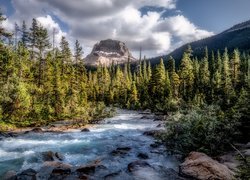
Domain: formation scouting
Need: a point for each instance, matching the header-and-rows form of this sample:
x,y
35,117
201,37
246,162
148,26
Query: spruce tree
x,y
235,63
186,75
226,78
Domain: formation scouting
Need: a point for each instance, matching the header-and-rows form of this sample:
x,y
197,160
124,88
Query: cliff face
x,y
107,51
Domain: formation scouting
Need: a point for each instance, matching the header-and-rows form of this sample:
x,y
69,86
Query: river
x,y
125,129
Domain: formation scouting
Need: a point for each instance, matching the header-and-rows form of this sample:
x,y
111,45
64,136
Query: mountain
x,y
236,37
107,51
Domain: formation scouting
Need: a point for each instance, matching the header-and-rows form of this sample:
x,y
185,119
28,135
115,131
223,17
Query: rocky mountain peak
x,y
107,51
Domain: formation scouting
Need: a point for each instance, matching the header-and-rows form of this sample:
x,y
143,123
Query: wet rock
x,y
200,166
37,130
7,135
142,156
121,151
29,174
147,117
85,130
60,173
10,175
52,170
159,125
119,175
133,166
56,164
155,145
160,118
87,170
153,133
51,156
112,176
147,111
59,156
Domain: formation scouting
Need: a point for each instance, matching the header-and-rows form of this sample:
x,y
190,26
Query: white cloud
x,y
93,20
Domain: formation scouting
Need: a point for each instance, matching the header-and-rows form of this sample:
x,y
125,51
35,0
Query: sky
x,y
157,26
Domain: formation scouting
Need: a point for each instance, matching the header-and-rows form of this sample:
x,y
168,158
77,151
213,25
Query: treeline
x,y
42,83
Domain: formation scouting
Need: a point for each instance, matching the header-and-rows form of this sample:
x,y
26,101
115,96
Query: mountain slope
x,y
236,37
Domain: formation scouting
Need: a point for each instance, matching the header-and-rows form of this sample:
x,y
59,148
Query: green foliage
x,y
244,169
207,130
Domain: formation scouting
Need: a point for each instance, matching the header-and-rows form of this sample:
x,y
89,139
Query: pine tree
x,y
168,92
204,75
42,43
157,83
134,96
186,75
171,65
25,35
235,67
226,77
33,37
78,52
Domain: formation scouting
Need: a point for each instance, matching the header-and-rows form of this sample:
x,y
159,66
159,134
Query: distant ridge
x,y
237,36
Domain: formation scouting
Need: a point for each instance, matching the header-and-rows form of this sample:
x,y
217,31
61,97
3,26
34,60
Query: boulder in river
x,y
54,170
60,173
200,166
87,170
148,117
29,174
133,166
142,156
85,130
37,130
121,151
51,156
153,133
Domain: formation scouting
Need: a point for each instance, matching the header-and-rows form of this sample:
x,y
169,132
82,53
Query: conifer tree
x,y
171,65
133,96
235,62
33,37
78,52
186,75
204,75
25,35
226,76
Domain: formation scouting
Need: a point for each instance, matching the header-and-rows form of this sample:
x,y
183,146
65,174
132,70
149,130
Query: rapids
x,y
125,129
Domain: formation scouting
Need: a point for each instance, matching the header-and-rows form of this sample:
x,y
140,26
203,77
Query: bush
x,y
206,130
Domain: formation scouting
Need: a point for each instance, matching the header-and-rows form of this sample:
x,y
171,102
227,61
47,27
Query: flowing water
x,y
124,130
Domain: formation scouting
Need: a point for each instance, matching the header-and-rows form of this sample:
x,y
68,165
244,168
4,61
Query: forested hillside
x,y
237,36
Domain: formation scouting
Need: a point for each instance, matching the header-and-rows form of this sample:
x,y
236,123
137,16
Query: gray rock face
x,y
107,51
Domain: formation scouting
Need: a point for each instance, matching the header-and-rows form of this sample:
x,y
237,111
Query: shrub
x,y
207,130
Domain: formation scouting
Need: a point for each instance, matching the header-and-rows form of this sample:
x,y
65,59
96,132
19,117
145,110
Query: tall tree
x,y
186,75
25,35
78,52
235,63
33,36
